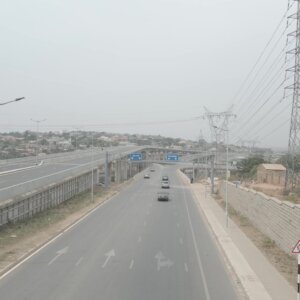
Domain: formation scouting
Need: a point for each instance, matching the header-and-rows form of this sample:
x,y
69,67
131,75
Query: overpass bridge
x,y
28,185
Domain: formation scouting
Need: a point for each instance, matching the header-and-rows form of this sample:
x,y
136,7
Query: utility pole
x,y
294,133
106,179
37,137
92,185
212,174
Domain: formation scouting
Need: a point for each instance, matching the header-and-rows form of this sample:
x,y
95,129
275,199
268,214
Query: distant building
x,y
271,174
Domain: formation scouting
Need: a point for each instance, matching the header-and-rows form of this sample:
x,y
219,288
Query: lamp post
x,y
37,135
15,100
92,185
226,182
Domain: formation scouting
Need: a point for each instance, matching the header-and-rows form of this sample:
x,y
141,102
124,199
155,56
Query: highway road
x,y
53,170
131,248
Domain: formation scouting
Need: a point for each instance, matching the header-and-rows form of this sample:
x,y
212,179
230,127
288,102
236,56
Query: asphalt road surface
x,y
133,247
53,170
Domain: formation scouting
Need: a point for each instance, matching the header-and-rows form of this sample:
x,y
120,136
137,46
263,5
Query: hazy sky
x,y
122,65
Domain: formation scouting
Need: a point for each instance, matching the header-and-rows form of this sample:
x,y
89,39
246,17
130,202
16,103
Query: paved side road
x,y
133,247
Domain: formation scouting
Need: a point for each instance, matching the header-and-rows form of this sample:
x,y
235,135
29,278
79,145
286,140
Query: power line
x,y
261,82
274,130
114,124
263,51
267,123
260,107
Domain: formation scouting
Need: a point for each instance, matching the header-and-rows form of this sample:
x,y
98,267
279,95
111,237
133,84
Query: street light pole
x,y
226,177
226,187
37,134
92,186
15,100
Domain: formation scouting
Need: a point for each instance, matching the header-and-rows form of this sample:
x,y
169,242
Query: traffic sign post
x,y
298,282
136,157
172,157
297,251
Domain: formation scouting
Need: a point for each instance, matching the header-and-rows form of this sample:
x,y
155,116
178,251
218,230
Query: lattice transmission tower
x,y
294,133
218,124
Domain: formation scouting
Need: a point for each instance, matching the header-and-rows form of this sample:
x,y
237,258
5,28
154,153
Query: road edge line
x,y
252,286
23,258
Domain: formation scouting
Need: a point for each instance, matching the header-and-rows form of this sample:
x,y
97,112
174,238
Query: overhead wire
x,y
275,129
267,122
263,51
111,124
246,122
262,91
261,83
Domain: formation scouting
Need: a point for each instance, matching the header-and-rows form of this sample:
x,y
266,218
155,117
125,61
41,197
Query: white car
x,y
165,185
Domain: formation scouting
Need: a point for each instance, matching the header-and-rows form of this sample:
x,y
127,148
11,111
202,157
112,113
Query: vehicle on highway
x,y
147,176
165,178
152,170
165,185
163,196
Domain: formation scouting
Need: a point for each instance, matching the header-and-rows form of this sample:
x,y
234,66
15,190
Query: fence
x,y
279,220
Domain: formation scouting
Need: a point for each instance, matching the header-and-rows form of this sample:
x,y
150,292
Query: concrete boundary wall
x,y
279,220
27,205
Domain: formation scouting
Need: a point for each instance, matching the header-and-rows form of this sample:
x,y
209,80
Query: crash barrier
x,y
279,220
27,205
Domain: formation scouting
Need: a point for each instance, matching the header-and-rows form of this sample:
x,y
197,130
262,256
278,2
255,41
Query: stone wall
x,y
279,220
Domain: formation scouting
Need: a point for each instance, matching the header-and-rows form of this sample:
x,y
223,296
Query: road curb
x,y
249,280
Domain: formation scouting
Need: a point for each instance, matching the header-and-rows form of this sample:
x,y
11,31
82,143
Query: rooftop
x,y
275,167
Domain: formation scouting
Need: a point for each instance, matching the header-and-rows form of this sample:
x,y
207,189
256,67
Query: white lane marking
x,y
181,241
131,264
140,239
162,261
42,177
178,225
58,254
49,175
145,223
109,255
79,261
186,267
10,270
197,250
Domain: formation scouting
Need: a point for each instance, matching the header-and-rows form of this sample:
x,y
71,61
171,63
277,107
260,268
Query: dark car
x,y
165,178
147,176
163,196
